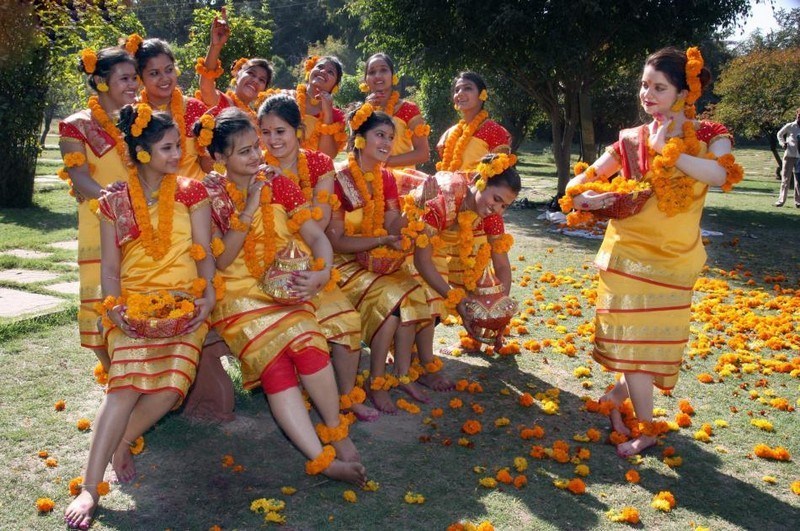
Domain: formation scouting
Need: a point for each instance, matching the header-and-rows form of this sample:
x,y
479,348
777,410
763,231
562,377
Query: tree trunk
x,y
772,138
49,113
588,144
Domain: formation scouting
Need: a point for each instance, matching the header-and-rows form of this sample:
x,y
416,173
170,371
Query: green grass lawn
x,y
182,483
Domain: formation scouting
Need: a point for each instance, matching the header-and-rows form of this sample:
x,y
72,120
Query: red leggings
x,y
281,374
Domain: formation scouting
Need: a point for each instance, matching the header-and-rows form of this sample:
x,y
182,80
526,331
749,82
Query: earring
x,y
483,96
678,105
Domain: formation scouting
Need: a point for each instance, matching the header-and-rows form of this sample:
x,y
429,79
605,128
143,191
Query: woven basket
x,y
625,206
382,266
162,327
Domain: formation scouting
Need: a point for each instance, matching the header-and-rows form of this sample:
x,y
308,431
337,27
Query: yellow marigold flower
x,y
719,423
45,505
83,424
413,497
762,424
502,421
488,482
274,517
350,496
582,470
463,441
769,479
371,486
288,491
520,464
673,462
795,487
51,462
702,436
663,501
582,372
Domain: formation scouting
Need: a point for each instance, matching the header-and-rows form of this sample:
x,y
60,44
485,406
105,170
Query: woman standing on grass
x,y
155,64
95,156
155,234
649,261
463,146
258,215
280,120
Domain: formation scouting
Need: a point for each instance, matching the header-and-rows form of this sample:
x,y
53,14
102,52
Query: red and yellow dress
x,y
406,118
491,137
648,265
338,319
107,166
376,297
442,217
164,364
191,109
271,340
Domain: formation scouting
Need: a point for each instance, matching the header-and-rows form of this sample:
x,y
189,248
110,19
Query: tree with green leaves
x,y
760,92
554,51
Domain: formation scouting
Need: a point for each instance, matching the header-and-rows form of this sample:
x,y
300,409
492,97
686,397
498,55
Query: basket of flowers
x,y
627,203
382,260
159,313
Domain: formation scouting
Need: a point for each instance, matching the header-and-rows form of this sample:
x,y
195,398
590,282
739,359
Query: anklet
x,y
434,366
101,489
355,396
384,383
328,435
322,461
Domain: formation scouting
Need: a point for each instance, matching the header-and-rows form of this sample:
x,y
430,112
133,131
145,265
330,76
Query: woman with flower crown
x,y
410,145
463,146
464,225
257,216
155,64
323,122
280,122
649,261
155,234
366,229
95,156
249,77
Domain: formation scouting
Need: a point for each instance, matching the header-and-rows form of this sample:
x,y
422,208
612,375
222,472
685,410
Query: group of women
x,y
171,223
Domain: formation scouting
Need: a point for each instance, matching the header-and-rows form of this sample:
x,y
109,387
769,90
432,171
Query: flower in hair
x,y
143,115
361,116
207,132
694,66
238,66
89,60
363,87
102,86
309,64
143,156
493,165
359,142
484,95
395,79
133,42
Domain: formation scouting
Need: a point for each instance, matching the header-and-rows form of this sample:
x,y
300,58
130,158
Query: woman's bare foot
x,y
635,446
617,424
351,472
347,451
382,401
415,391
80,512
364,413
122,463
436,381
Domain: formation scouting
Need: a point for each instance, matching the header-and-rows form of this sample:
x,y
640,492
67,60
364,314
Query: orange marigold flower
x,y
51,462
705,378
45,505
477,409
227,460
197,252
520,481
437,412
617,438
593,434
75,485
584,454
60,405
471,427
83,424
683,420
103,488
669,451
137,446
456,403
43,454
632,476
795,486
537,452
526,400
686,407
503,476
576,486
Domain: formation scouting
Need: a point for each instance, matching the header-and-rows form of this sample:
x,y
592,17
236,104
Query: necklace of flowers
x,y
390,104
372,224
155,242
457,141
255,265
312,142
242,105
473,265
673,189
303,176
176,109
100,116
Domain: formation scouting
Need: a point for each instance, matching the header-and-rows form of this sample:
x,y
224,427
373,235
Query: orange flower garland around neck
x,y
177,111
256,265
100,116
156,242
390,104
374,207
457,140
473,264
302,178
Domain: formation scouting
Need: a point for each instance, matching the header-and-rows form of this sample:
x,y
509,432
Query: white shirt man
x,y
789,137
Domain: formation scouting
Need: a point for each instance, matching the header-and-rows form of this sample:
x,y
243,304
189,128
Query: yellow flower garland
x,y
256,265
473,265
457,141
156,243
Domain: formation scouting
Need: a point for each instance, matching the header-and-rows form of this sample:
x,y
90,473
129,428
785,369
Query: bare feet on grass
x,y
80,512
382,401
364,413
351,472
415,391
635,446
436,382
347,451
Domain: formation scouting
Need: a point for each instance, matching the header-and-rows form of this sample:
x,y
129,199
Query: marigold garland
x,y
177,111
502,244
454,296
303,176
217,247
372,224
256,264
203,71
328,435
197,252
322,461
73,159
355,396
496,165
89,60
100,116
155,242
133,42
457,141
206,133
474,266
390,104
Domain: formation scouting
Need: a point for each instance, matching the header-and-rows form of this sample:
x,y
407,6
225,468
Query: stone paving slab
x,y
70,245
26,253
15,303
27,276
67,288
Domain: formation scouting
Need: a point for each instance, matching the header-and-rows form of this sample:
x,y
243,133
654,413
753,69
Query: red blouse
x,y
345,189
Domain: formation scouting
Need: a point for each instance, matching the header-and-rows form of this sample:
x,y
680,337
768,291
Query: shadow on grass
x,y
182,470
38,218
